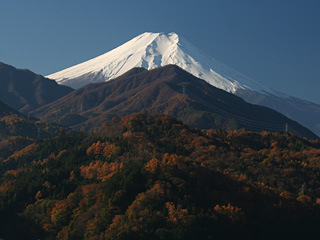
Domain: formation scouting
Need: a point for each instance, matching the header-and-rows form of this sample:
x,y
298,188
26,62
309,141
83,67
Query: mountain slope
x,y
6,110
152,50
304,112
24,90
14,124
169,90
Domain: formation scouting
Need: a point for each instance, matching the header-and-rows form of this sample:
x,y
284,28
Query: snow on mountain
x,y
152,50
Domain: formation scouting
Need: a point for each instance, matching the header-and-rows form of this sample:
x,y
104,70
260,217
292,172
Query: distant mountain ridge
x,y
169,90
24,90
305,112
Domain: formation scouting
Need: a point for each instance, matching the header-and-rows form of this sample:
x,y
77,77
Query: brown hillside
x,y
169,90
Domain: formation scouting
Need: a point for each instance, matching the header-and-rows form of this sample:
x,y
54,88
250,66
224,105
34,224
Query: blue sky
x,y
274,42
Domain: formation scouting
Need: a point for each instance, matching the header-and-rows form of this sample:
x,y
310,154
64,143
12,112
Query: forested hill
x,y
13,123
169,90
18,131
151,177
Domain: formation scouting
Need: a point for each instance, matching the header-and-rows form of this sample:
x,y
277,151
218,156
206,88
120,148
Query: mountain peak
x,y
152,50
155,34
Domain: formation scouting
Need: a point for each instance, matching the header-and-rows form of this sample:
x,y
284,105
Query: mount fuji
x,y
153,50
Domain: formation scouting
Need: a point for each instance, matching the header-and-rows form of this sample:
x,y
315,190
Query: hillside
x,y
305,112
6,110
17,131
13,123
151,177
24,90
169,90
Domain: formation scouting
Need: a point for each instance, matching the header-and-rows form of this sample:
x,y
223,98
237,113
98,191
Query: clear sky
x,y
276,42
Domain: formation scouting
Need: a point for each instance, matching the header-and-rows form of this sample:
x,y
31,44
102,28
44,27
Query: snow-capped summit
x,y
152,50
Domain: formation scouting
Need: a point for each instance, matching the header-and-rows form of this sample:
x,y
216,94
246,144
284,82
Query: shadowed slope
x,y
169,90
24,90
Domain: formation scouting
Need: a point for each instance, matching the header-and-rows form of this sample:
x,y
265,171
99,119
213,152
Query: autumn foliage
x,y
150,177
